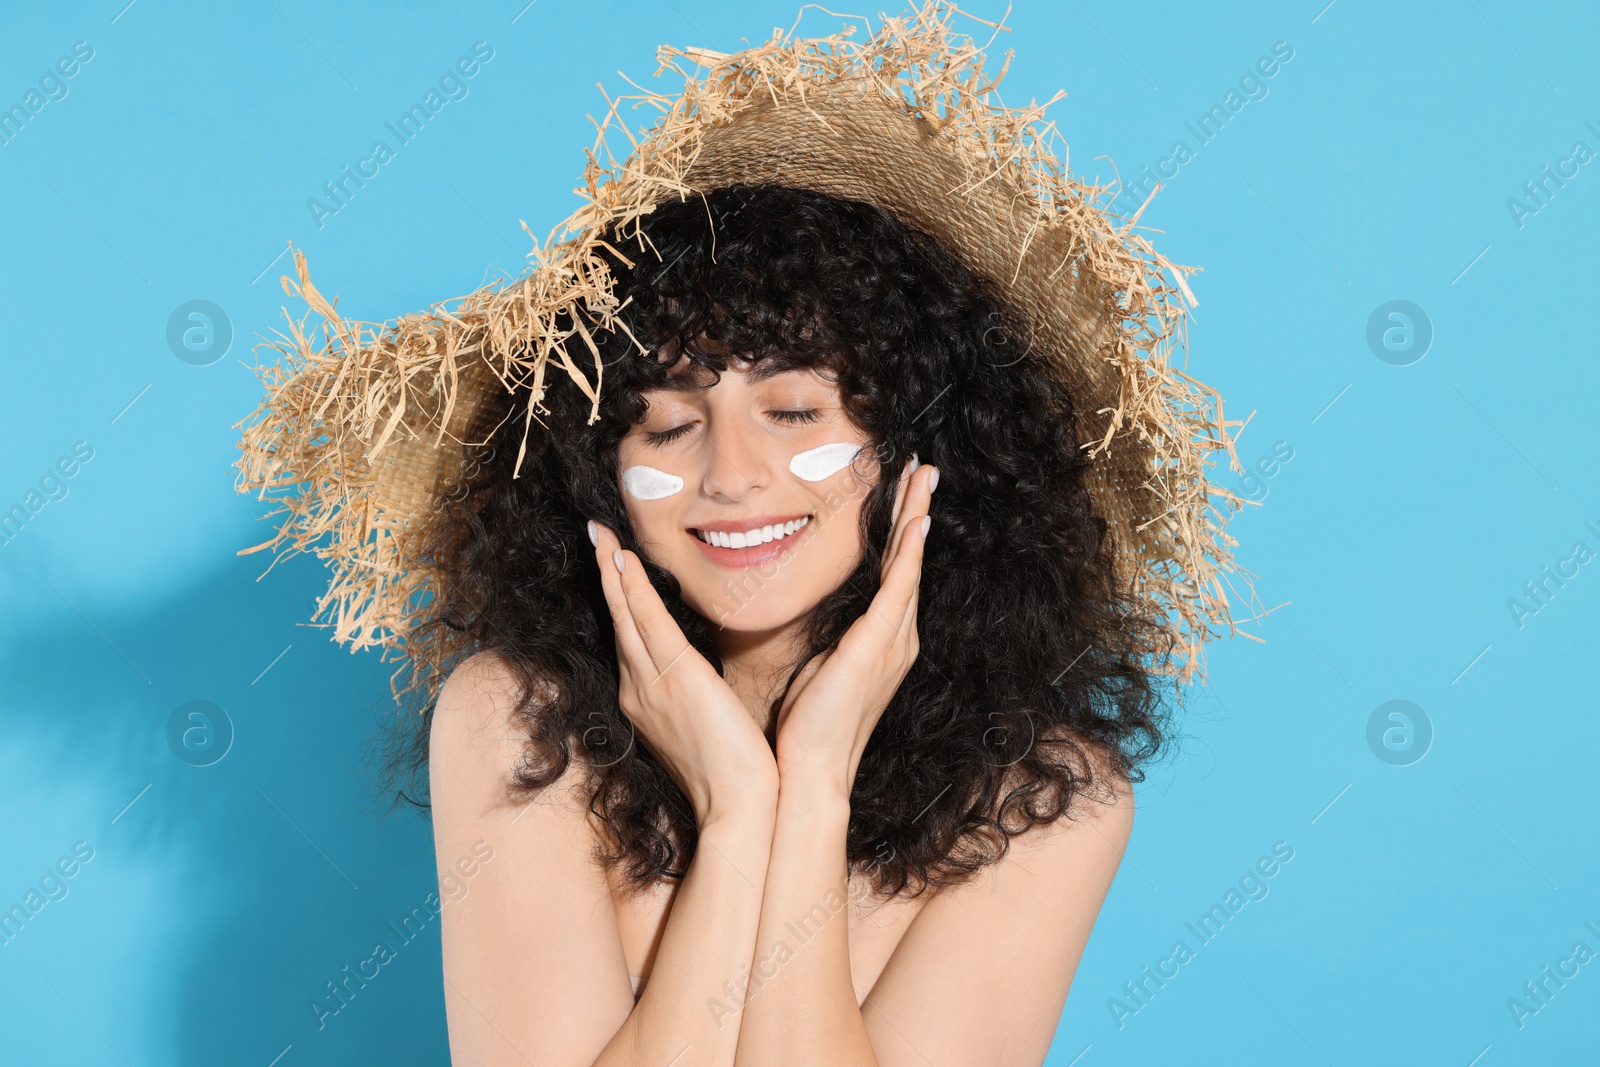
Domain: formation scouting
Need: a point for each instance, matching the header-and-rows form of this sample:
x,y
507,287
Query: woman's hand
x,y
835,703
681,707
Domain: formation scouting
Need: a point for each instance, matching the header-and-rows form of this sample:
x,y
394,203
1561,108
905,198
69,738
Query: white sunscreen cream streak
x,y
815,464
647,483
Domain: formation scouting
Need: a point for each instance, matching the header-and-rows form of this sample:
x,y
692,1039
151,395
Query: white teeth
x,y
751,538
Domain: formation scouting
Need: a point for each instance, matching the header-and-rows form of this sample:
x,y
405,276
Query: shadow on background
x,y
284,870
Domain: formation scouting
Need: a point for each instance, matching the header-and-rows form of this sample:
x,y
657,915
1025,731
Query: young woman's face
x,y
749,491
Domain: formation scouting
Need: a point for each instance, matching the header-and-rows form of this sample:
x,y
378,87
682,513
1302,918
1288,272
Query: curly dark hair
x,y
1036,679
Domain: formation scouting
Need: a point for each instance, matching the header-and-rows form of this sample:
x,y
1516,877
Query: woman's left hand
x,y
835,703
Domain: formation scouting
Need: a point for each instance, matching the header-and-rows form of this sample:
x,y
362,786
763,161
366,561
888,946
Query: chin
x,y
750,608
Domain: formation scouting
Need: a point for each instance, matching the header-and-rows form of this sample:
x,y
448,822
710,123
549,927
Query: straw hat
x,y
364,425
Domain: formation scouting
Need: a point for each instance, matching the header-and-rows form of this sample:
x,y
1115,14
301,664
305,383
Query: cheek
x,y
842,505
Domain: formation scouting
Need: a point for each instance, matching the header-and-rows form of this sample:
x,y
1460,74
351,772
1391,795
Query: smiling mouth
x,y
754,537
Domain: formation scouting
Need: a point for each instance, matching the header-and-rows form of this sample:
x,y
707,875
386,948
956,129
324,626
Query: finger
x,y
894,516
891,609
909,621
663,641
630,645
908,625
913,506
898,593
886,612
900,489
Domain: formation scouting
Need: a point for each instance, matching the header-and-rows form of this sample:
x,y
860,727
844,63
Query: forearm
x,y
685,1015
802,1008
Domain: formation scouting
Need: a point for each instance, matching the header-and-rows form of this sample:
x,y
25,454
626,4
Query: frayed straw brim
x,y
362,427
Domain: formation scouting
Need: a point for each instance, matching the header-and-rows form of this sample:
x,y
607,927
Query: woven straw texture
x,y
363,425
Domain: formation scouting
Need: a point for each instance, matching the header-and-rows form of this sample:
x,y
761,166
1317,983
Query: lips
x,y
750,533
760,539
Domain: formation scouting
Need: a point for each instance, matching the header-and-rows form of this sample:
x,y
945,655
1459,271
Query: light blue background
x,y
1378,167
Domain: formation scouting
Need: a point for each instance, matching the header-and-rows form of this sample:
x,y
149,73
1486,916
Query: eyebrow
x,y
761,371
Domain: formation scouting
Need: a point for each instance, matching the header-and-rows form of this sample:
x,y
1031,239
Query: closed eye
x,y
664,436
794,417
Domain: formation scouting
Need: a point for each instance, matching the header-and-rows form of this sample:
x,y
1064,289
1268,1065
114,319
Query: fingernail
x,y
927,521
933,480
617,555
915,462
594,534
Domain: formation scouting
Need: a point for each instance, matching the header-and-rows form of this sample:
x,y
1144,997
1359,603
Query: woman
x,y
850,795
872,781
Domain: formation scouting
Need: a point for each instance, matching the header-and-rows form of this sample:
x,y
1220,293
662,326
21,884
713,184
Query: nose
x,y
737,463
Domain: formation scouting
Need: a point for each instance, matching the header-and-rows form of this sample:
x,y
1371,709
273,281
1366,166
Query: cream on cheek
x,y
647,483
824,461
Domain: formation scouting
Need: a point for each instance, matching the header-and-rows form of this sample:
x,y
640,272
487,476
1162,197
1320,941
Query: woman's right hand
x,y
693,723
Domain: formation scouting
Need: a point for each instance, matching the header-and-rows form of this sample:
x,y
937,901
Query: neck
x,y
756,665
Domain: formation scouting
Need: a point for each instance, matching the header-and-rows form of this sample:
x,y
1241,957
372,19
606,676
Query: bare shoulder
x,y
479,733
533,963
480,694
1103,798
1055,876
